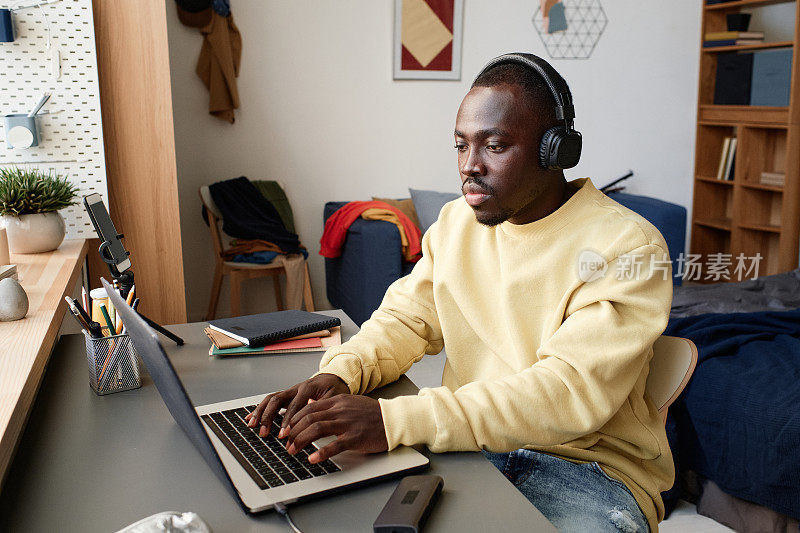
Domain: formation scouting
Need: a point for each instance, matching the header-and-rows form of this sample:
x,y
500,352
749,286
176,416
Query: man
x,y
546,367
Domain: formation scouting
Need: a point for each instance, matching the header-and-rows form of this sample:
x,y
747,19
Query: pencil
x,y
107,318
85,298
131,292
111,332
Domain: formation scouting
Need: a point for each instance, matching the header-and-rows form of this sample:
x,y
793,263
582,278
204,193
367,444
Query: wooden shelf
x,y
743,215
715,181
738,48
744,3
727,115
723,224
761,227
760,187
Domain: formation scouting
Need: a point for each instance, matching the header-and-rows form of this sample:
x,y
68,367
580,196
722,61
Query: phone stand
x,y
125,282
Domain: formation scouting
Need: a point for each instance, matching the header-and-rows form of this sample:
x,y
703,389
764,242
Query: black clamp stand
x,y
125,282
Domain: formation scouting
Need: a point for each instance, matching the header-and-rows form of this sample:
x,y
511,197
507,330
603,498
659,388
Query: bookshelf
x,y
743,215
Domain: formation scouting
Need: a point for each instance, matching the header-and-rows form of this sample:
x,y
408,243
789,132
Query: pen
x,y
88,324
43,100
135,304
85,298
78,316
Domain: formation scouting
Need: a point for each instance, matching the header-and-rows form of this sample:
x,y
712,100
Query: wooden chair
x,y
673,363
241,271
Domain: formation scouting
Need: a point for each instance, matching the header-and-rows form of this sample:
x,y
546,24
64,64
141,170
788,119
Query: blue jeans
x,y
574,497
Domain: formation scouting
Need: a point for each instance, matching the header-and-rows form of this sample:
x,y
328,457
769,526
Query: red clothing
x,y
337,225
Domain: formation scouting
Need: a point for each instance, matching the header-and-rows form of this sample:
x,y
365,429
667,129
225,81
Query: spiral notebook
x,y
266,328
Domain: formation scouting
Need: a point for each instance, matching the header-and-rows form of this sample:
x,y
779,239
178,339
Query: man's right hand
x,y
293,399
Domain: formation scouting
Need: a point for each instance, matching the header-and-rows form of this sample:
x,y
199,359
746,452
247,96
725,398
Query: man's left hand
x,y
356,421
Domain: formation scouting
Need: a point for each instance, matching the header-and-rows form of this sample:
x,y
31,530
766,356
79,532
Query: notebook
x,y
313,344
266,328
222,341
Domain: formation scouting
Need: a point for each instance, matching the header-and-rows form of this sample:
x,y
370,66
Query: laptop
x,y
257,472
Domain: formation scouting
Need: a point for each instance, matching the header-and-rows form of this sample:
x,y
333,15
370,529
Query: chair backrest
x,y
214,216
208,201
674,361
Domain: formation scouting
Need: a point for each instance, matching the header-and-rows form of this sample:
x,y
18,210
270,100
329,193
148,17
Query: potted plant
x,y
29,204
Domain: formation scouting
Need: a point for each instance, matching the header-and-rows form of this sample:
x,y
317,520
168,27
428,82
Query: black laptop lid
x,y
147,345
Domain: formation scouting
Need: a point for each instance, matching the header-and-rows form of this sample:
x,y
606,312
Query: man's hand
x,y
356,421
319,387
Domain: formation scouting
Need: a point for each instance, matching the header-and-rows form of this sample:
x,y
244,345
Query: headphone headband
x,y
558,87
560,147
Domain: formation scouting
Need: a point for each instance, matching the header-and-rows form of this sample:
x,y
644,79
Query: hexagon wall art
x,y
570,29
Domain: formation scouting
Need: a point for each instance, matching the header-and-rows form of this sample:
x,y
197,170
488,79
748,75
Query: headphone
x,y
561,145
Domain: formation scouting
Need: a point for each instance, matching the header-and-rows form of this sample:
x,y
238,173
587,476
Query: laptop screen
x,y
147,345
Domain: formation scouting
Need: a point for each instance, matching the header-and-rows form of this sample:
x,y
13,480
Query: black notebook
x,y
266,328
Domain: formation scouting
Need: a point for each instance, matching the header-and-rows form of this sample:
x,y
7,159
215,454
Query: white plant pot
x,y
33,234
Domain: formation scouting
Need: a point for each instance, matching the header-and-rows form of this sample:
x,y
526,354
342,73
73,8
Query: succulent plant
x,y
25,191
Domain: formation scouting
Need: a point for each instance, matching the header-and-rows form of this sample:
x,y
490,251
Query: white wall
x,y
321,113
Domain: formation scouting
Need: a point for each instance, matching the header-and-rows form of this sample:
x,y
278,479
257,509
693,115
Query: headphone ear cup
x,y
548,149
560,150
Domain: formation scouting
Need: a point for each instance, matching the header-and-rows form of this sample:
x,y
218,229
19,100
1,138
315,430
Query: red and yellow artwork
x,y
428,39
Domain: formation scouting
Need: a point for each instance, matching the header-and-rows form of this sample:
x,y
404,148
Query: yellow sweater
x,y
536,357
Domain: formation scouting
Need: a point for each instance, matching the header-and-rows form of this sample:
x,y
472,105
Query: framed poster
x,y
427,39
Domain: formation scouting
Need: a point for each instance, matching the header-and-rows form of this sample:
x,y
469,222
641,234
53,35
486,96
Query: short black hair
x,y
533,86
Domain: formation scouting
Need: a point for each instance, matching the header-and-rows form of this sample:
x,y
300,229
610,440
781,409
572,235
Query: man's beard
x,y
493,219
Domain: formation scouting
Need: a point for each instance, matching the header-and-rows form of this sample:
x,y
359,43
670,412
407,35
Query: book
x,y
266,328
733,78
772,77
731,42
316,344
776,179
730,165
220,340
723,159
727,35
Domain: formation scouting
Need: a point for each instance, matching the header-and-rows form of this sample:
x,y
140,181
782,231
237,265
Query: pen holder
x,y
113,366
20,131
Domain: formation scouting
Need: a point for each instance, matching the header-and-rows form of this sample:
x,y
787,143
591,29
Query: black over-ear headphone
x,y
561,145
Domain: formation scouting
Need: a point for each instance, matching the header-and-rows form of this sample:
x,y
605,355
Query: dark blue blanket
x,y
738,420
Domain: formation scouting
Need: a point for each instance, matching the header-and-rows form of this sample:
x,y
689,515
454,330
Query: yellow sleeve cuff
x,y
408,420
345,366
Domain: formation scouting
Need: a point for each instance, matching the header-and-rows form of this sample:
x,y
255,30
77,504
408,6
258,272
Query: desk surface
x,y
25,345
100,463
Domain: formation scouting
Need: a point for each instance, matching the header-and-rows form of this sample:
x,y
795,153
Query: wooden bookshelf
x,y
744,216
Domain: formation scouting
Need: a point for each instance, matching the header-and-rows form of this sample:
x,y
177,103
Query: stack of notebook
x,y
273,333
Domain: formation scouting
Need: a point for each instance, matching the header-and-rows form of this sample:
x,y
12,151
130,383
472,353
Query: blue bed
x,y
738,420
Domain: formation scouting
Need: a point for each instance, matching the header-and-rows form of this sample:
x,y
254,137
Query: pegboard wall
x,y
71,135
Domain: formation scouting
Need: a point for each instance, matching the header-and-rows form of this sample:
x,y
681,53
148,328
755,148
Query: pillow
x,y
428,204
406,206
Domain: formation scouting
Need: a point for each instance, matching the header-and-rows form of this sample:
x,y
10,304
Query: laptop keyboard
x,y
265,459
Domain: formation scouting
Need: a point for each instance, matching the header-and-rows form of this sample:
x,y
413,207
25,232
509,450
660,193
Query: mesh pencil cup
x,y
113,366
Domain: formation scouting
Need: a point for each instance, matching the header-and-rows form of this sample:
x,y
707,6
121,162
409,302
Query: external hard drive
x,y
410,505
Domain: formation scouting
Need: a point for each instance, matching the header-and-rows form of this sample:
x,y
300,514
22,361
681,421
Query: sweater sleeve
x,y
584,373
398,334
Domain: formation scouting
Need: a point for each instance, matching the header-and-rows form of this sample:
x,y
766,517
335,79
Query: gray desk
x,y
90,463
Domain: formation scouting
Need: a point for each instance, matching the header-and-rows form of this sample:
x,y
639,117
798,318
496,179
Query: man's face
x,y
497,139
